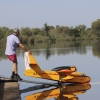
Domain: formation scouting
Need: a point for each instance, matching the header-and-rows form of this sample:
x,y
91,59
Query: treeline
x,y
53,34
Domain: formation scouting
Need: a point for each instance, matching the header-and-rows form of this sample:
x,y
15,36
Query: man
x,y
11,45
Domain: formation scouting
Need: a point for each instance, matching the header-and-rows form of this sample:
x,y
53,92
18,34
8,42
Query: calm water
x,y
85,56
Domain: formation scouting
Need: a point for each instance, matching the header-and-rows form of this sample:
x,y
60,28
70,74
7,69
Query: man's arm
x,y
24,48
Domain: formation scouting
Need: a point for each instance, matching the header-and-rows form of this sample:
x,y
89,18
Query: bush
x,y
85,38
94,37
24,39
78,39
70,39
31,40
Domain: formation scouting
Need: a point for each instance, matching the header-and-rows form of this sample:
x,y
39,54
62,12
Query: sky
x,y
35,13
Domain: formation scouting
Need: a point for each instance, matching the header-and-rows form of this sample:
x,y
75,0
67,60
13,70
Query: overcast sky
x,y
34,13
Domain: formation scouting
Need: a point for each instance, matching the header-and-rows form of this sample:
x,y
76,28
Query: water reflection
x,y
59,48
64,92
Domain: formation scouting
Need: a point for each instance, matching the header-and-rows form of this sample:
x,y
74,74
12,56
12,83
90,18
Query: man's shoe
x,y
12,77
17,77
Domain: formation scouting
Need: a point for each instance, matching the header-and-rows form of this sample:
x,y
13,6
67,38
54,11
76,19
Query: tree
x,y
46,29
81,27
26,32
3,31
74,32
96,27
36,31
10,31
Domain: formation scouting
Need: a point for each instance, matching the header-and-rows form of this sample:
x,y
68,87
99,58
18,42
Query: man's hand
x,y
30,53
23,47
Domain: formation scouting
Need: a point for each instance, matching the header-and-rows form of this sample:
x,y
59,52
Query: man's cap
x,y
16,30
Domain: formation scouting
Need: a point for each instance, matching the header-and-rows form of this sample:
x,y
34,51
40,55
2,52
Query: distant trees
x,y
26,32
96,27
3,32
54,34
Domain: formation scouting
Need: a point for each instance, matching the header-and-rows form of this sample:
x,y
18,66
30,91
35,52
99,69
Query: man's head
x,y
16,31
